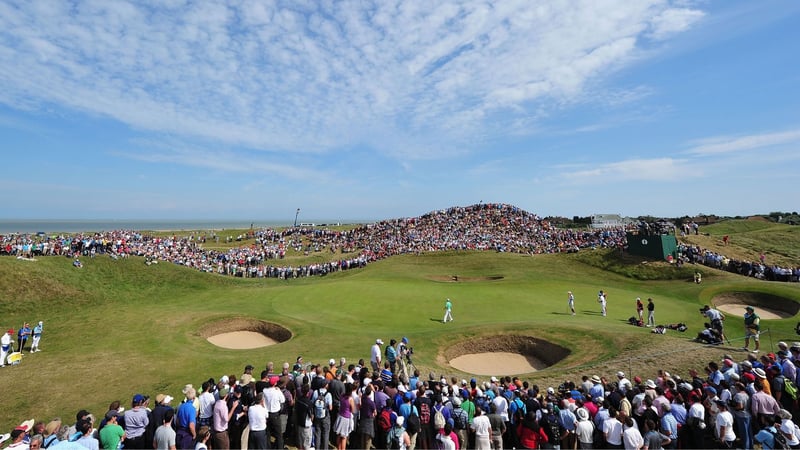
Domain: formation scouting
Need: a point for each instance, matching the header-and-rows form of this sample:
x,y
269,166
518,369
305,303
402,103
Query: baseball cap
x,y
749,308
138,398
378,341
331,362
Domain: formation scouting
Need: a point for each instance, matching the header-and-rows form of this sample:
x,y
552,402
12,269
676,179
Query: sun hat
x,y
595,379
650,384
760,373
582,414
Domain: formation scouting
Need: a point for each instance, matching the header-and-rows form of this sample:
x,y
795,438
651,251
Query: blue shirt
x,y
669,426
37,330
187,414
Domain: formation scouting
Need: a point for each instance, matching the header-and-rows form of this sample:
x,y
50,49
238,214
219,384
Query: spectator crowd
x,y
725,404
496,227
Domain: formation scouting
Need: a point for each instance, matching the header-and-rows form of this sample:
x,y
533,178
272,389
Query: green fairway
x,y
117,327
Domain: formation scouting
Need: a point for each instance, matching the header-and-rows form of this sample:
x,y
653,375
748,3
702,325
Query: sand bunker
x,y
241,340
767,306
488,363
504,355
244,333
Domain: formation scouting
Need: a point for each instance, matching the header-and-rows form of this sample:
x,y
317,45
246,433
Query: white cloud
x,y
656,170
728,144
307,77
674,20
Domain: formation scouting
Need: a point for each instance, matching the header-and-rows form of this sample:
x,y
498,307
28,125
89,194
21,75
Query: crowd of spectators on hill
x,y
726,404
756,269
495,227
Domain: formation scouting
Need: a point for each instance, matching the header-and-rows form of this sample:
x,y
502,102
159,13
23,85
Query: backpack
x,y
394,438
780,440
553,429
413,423
790,388
460,419
320,408
424,413
385,420
438,418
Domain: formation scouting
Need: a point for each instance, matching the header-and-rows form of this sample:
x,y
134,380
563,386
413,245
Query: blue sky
x,y
365,110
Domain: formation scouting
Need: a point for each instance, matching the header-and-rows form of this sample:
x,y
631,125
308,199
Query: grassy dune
x,y
114,328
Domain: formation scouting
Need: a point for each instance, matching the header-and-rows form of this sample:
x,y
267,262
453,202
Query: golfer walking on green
x,y
448,311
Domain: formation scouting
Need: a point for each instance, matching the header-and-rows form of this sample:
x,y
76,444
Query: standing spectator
x,y
136,420
37,335
322,404
723,429
112,434
164,438
651,313
274,401
367,413
87,438
304,419
640,309
344,420
22,336
375,355
482,428
186,421
257,416
221,417
391,355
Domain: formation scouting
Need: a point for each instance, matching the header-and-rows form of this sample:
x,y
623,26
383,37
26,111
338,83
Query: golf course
x,y
116,327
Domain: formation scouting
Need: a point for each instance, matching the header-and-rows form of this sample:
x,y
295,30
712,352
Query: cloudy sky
x,y
362,110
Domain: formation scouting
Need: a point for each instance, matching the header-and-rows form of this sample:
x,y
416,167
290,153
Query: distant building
x,y
608,221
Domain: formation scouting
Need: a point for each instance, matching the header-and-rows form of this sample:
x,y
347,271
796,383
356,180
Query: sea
x,y
76,226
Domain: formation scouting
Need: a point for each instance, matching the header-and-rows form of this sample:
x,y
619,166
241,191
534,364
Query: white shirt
x,y
376,354
274,400
612,428
725,419
257,416
632,438
206,405
481,426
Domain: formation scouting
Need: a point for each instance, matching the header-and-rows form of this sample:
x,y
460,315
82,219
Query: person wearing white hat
x,y
571,302
37,335
375,355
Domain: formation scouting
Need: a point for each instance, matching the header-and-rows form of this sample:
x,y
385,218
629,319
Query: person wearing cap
x,y
623,383
136,420
37,336
397,437
751,328
274,401
715,317
571,302
111,434
221,417
5,346
17,435
448,311
186,420
602,299
22,336
375,355
322,425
